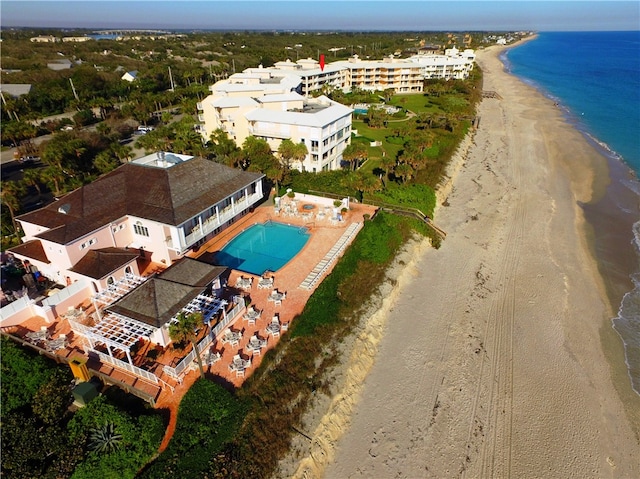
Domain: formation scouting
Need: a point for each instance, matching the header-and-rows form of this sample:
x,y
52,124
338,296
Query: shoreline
x,y
495,359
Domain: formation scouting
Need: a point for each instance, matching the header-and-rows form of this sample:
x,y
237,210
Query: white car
x,y
145,129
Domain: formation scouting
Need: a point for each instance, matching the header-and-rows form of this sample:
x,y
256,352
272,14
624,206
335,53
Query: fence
x,y
142,373
14,313
176,372
104,377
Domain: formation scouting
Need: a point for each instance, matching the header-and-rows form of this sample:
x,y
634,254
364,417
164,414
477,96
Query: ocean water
x,y
595,78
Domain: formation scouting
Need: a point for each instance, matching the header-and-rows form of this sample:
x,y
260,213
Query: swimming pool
x,y
263,247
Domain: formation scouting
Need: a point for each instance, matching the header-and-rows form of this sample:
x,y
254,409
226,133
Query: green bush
x,y
208,418
23,372
396,140
141,437
418,196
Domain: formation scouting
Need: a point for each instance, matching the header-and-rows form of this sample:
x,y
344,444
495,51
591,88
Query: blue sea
x,y
595,78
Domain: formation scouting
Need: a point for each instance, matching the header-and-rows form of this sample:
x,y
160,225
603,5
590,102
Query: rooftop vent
x,y
64,209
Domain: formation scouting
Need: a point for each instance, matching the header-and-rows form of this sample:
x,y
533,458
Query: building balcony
x,y
217,220
199,106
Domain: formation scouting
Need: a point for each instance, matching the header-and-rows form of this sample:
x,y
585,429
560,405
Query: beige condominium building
x,y
267,104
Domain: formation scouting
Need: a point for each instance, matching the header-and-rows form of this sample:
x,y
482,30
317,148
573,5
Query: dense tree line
x,y
42,438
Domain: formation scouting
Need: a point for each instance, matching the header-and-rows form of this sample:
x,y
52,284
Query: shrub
x,y
208,418
23,373
138,439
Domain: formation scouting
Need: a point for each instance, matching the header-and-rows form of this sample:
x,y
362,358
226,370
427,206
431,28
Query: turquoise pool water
x,y
263,247
361,111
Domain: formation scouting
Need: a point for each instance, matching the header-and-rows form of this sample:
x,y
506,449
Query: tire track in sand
x,y
489,434
497,447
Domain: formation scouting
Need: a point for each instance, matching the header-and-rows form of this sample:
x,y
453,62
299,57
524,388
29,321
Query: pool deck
x,y
323,236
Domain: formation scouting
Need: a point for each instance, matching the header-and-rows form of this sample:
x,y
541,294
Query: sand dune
x,y
485,358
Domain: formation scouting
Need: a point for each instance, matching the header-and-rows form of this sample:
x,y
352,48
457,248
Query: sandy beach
x,y
493,356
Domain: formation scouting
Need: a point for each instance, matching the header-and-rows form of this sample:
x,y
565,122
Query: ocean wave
x,y
627,325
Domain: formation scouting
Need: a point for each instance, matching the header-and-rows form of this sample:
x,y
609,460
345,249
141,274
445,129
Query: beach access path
x,y
489,361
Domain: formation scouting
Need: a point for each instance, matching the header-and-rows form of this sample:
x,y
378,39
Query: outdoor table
x,y
37,335
232,337
273,328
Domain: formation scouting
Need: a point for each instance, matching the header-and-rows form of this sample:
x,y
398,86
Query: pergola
x,y
117,290
118,332
207,305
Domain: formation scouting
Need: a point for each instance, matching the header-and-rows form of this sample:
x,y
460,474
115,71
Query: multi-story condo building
x,y
267,104
161,205
313,78
402,76
454,64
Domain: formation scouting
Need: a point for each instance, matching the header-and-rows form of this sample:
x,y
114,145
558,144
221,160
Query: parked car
x,y
29,159
145,129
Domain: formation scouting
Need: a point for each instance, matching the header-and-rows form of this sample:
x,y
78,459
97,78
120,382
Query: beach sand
x,y
493,356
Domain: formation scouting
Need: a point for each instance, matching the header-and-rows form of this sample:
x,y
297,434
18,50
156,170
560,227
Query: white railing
x,y
176,372
79,328
136,371
187,360
223,216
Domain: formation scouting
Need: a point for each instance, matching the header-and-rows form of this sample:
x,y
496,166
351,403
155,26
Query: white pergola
x,y
117,290
207,305
118,332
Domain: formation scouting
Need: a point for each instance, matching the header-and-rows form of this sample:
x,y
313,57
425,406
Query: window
x,y
141,230
86,244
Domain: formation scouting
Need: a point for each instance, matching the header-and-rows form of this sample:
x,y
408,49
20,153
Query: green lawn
x,y
375,134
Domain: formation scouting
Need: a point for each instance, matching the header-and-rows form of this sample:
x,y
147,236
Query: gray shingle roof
x,y
158,299
99,263
167,195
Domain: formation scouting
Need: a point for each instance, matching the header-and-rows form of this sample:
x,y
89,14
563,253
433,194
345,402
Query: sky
x,y
418,15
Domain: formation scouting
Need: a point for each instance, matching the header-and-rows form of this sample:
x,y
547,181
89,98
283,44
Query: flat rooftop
x,y
162,159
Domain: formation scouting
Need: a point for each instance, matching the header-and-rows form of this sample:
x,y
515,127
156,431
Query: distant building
x,y
130,76
453,65
76,39
400,75
44,39
57,65
15,90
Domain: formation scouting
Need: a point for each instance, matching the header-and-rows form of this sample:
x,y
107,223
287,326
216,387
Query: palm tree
x,y
291,152
54,178
403,171
185,329
105,439
353,153
32,177
364,183
387,163
10,195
